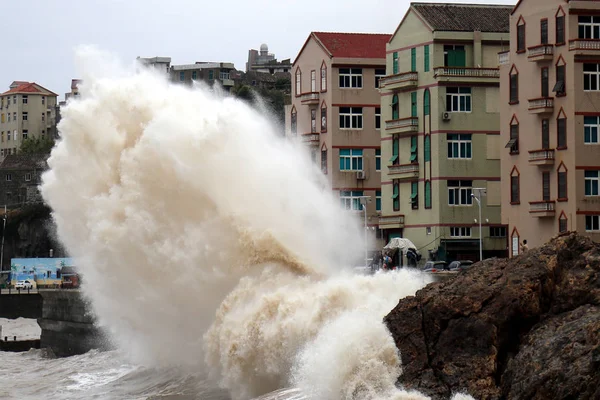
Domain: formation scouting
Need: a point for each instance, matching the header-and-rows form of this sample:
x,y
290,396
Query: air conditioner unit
x,y
446,116
361,175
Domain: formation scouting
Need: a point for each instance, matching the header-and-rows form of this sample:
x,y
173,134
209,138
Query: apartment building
x,y
550,119
209,72
335,111
74,89
266,62
440,136
27,110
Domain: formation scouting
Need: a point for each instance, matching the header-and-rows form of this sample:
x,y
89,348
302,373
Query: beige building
x,y
550,121
335,111
440,136
209,72
27,110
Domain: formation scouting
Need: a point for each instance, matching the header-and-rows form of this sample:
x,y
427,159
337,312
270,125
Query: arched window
x,y
427,146
395,109
427,194
426,103
294,122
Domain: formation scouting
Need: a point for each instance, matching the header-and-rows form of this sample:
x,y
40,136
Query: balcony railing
x,y
543,208
541,105
540,52
310,97
541,157
466,72
504,58
310,138
392,220
404,79
407,170
410,124
584,44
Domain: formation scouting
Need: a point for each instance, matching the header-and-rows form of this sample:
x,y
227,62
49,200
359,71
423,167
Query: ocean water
x,y
212,253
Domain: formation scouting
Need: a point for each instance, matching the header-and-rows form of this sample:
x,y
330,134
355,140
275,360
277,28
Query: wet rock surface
x,y
521,328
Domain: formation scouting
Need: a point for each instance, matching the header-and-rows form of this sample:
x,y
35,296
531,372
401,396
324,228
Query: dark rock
x,y
491,328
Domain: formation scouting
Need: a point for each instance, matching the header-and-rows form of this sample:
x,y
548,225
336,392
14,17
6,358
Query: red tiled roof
x,y
28,87
353,45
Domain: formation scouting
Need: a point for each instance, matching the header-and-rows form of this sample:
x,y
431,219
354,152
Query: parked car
x,y
435,266
461,265
26,284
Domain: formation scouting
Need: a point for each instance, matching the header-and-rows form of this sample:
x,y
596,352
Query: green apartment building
x,y
440,140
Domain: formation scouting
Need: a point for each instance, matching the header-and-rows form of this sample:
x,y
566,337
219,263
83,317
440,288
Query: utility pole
x,y
480,193
2,248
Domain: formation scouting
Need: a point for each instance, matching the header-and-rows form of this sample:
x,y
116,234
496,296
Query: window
x,y
560,29
313,120
426,103
181,76
521,36
396,196
428,230
27,177
561,133
460,231
395,160
514,88
592,223
8,101
458,99
426,58
590,130
351,160
414,195
378,160
194,75
559,86
25,134
427,148
211,75
545,134
497,231
294,122
350,200
413,149
454,56
459,146
43,117
313,81
413,59
25,99
323,118
544,82
378,200
562,224
324,161
395,107
8,114
592,179
562,185
378,118
323,78
459,193
351,118
2,118
8,136
8,177
427,194
298,82
25,116
379,73
544,31
591,77
515,197
546,186
589,27
513,143
350,77
413,104
224,75
394,63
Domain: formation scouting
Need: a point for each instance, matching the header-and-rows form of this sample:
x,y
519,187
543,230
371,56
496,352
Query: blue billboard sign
x,y
44,271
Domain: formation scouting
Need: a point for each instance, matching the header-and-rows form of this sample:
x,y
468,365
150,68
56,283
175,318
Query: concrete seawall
x,y
68,326
20,305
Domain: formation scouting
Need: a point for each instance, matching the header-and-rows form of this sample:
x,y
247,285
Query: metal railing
x,y
540,155
467,72
541,206
543,102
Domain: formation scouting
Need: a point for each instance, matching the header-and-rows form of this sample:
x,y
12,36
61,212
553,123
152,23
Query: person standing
x,y
524,246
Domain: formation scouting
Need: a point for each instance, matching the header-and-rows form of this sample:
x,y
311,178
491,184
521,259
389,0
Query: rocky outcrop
x,y
521,328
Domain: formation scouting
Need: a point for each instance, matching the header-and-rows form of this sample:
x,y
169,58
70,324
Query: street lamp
x,y
480,192
363,202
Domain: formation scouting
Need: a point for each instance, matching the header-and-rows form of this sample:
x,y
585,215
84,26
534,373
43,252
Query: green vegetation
x,y
37,146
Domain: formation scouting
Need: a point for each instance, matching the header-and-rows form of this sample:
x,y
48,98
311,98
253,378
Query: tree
x,y
37,145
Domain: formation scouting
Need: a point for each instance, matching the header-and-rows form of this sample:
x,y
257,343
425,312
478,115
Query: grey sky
x,y
42,34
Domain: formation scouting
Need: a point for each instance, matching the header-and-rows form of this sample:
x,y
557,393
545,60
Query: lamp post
x,y
480,192
363,202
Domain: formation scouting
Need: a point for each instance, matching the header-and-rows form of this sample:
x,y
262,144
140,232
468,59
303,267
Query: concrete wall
x,y
68,326
20,305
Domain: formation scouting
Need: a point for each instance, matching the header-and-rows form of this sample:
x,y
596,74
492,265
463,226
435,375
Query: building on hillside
x,y
209,72
550,121
27,110
440,137
20,177
262,80
162,64
266,62
335,111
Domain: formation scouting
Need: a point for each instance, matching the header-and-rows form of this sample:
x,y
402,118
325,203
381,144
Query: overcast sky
x,y
41,35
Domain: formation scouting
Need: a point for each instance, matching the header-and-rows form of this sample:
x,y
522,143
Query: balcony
x,y
404,171
504,58
542,209
393,221
310,138
542,52
227,82
403,125
405,80
541,157
466,75
310,98
585,46
542,105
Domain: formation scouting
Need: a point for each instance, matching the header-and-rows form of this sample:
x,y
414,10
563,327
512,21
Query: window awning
x,y
394,158
413,195
559,87
394,196
413,157
413,148
511,143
